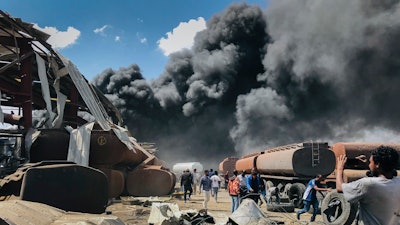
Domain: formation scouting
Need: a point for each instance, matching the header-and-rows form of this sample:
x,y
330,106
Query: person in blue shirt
x,y
210,172
253,182
205,186
310,196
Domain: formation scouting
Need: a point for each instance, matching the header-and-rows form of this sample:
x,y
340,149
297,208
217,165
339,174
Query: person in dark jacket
x,y
186,183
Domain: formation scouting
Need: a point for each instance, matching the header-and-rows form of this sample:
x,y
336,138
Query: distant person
x,y
196,180
186,183
310,196
243,185
205,186
378,196
253,182
273,191
210,172
226,179
263,193
215,184
234,190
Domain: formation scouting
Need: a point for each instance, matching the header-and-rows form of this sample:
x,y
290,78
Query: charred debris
x,y
64,131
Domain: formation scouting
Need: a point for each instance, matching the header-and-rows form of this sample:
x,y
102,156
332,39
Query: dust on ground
x,y
220,211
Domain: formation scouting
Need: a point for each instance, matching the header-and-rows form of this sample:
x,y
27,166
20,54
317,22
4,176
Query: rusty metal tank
x,y
228,165
150,179
303,159
247,162
109,155
355,151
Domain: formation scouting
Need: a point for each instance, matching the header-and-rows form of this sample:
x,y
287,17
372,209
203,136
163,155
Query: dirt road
x,y
220,211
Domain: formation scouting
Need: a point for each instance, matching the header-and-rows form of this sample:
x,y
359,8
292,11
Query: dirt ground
x,y
220,211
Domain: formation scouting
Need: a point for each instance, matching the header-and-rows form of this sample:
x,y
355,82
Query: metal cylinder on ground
x,y
107,149
141,181
116,181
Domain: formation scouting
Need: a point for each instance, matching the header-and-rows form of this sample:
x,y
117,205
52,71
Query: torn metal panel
x,y
51,97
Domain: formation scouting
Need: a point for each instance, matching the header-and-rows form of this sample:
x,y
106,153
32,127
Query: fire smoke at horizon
x,y
298,71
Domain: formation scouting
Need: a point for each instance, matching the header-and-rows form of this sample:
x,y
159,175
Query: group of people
x,y
377,195
241,186
209,184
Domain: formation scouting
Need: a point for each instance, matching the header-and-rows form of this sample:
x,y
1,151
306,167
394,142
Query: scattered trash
x,y
169,214
164,214
193,217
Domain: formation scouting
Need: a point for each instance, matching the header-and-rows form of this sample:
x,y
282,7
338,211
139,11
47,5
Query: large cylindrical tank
x,y
304,159
354,152
228,165
178,168
107,149
247,162
150,181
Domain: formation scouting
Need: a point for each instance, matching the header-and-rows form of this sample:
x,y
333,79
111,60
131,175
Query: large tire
x,y
282,207
295,194
335,210
268,184
286,189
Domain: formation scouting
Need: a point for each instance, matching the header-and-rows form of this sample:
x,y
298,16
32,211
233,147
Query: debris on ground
x,y
169,214
249,213
144,201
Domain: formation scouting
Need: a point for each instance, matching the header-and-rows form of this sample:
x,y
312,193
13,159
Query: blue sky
x,y
98,34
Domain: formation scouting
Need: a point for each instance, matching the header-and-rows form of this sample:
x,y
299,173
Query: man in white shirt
x,y
378,196
215,184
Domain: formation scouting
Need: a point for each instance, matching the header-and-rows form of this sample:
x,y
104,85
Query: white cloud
x,y
142,40
100,30
182,36
60,39
117,38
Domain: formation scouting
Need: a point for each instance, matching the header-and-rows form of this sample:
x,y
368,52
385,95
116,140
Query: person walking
x,y
226,180
310,196
196,180
186,183
234,190
215,184
378,196
205,185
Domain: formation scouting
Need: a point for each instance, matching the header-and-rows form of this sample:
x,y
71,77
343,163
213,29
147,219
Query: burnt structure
x,y
60,122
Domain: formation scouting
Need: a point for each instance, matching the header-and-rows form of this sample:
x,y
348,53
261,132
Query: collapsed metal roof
x,y
23,50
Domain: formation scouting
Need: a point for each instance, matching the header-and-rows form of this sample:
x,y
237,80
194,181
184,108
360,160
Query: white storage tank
x,y
178,168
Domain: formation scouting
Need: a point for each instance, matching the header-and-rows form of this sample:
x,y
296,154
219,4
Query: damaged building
x,y
62,129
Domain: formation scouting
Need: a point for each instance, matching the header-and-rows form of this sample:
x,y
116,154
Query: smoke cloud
x,y
257,78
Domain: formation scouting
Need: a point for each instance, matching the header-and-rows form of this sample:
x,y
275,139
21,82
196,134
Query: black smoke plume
x,y
297,71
